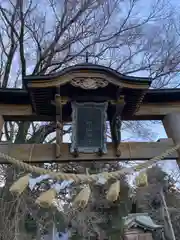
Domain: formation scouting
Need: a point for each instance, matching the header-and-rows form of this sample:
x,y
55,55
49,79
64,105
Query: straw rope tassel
x,y
20,185
46,198
113,192
81,200
141,179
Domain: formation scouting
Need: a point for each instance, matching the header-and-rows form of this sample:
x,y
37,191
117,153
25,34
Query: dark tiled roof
x,y
141,220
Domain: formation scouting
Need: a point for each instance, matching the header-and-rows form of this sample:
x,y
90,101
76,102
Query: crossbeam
x,y
147,111
15,109
39,153
156,111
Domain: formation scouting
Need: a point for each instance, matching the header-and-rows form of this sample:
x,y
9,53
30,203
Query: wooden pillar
x,y
59,127
1,124
171,124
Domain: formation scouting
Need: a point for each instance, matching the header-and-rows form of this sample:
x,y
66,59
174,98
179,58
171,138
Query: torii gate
x,y
88,95
50,97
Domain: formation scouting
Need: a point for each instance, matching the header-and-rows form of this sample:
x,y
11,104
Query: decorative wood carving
x,y
89,83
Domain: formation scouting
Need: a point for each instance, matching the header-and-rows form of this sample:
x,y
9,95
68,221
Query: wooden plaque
x,y
89,127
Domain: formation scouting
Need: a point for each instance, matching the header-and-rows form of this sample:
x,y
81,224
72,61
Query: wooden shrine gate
x,y
89,95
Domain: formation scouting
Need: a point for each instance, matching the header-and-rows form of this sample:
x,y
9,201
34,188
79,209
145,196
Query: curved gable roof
x,y
86,70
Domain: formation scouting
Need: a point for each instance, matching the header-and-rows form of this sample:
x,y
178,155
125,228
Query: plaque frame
x,y
103,108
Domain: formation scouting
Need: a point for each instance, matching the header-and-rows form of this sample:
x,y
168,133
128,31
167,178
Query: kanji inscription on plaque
x,y
89,127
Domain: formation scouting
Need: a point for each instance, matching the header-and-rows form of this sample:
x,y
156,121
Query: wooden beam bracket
x,y
75,153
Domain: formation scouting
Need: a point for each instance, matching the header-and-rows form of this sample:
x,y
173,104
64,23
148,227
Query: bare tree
x,y
45,39
40,37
